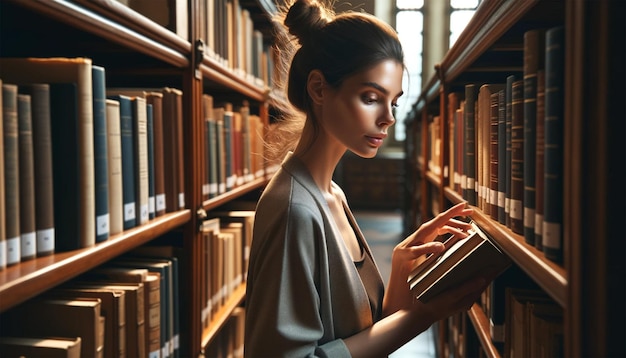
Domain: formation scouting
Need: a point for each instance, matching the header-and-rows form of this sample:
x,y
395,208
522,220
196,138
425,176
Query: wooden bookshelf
x,y
592,268
138,52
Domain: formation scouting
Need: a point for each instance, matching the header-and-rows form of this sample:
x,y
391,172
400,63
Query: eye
x,y
395,105
369,98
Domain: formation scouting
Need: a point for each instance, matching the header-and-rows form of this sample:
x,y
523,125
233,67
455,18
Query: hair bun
x,y
305,17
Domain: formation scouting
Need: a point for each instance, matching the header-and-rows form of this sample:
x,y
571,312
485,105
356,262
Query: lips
x,y
377,140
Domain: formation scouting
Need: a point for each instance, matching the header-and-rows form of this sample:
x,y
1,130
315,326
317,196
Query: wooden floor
x,y
383,230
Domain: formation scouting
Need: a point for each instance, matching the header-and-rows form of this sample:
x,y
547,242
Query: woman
x,y
313,286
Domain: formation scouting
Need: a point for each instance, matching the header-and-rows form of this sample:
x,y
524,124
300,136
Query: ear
x,y
315,85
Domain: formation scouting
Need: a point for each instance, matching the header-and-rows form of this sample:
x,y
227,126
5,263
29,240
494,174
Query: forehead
x,y
386,76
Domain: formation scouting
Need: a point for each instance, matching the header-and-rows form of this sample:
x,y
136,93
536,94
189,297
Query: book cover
x,y
100,147
42,155
463,259
28,238
539,159
502,153
173,149
77,71
114,149
150,140
508,122
140,145
65,317
49,347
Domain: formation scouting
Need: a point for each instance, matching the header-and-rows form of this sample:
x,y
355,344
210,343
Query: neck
x,y
320,153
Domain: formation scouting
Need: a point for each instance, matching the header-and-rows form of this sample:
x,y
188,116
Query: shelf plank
x,y
30,278
88,21
481,326
233,194
219,319
549,275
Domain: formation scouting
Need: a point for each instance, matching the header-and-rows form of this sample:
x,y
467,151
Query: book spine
x,y
66,166
3,232
156,100
180,169
150,139
213,158
42,153
517,158
539,159
114,147
101,165
229,148
128,161
501,157
469,162
140,145
493,156
508,119
28,238
553,153
11,173
533,61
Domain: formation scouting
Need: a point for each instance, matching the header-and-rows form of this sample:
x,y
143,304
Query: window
x,y
461,11
410,25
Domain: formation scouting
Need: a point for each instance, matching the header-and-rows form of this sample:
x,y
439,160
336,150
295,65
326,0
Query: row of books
x,y
230,340
233,145
126,308
506,144
225,244
226,28
81,163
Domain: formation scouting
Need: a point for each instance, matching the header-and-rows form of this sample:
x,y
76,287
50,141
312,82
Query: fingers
x,y
457,210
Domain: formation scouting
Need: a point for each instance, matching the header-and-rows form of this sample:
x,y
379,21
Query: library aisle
x,y
383,230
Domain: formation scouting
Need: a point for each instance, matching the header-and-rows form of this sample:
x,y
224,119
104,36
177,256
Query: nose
x,y
387,118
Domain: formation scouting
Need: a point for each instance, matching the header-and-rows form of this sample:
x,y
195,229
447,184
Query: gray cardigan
x,y
304,293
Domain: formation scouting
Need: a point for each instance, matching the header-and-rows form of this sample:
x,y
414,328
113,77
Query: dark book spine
x,y
553,153
533,61
517,158
493,156
508,116
213,158
28,237
156,100
459,129
11,172
151,187
65,168
229,149
42,153
169,150
128,161
501,156
539,159
3,233
180,151
101,165
469,162
207,150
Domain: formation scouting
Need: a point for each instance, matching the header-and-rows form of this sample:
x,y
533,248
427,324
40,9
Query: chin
x,y
366,153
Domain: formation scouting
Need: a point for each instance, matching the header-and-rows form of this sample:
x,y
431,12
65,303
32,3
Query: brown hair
x,y
310,36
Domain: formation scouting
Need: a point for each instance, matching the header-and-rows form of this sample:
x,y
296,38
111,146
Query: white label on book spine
x,y
538,223
181,200
13,250
463,181
129,211
507,205
3,254
471,183
160,202
529,217
151,204
154,354
45,241
28,246
493,197
516,209
501,199
102,224
213,189
144,214
551,235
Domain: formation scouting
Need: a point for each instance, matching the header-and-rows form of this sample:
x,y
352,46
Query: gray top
x,y
304,293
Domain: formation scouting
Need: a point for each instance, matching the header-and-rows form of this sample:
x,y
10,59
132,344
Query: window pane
x,y
409,25
464,4
458,22
409,4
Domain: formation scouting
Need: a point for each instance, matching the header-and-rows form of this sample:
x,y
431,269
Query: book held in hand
x,y
462,260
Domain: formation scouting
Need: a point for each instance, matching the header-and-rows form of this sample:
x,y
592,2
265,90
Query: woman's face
x,y
359,112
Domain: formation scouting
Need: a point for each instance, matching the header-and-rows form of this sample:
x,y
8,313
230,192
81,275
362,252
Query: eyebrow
x,y
380,88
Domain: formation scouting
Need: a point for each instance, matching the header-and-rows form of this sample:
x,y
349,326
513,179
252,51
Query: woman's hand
x,y
415,248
